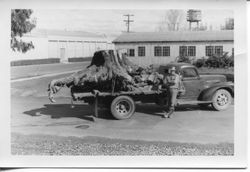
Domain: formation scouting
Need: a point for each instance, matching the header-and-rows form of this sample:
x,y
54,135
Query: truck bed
x,y
79,96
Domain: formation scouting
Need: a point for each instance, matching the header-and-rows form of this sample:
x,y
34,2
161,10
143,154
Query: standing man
x,y
172,83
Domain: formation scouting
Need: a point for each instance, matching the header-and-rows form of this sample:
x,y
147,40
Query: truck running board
x,y
183,102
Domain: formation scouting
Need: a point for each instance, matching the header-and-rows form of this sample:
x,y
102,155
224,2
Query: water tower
x,y
193,16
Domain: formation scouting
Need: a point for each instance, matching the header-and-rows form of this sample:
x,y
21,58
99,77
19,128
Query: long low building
x,y
164,47
62,44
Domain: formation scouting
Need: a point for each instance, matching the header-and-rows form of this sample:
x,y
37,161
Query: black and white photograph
x,y
125,82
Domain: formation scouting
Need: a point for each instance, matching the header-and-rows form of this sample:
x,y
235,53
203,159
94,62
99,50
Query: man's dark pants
x,y
171,99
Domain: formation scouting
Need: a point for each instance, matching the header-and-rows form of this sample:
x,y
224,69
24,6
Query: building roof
x,y
46,33
175,36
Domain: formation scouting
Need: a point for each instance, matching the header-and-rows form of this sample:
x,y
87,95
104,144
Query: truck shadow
x,y
153,109
85,112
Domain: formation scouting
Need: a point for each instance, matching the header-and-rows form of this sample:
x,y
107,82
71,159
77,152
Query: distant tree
x,y
172,21
211,27
183,59
21,24
229,24
220,61
202,27
200,62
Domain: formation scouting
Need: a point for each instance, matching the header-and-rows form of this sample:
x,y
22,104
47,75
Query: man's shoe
x,y
170,113
165,114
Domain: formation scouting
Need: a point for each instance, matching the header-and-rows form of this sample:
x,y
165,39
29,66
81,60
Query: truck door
x,y
192,83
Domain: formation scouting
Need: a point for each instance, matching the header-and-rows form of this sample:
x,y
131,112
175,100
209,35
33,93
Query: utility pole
x,y
128,21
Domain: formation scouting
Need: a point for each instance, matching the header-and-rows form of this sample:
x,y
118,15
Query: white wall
x,y
110,46
51,47
77,48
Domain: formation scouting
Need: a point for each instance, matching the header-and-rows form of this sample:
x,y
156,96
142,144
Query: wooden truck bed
x,y
79,96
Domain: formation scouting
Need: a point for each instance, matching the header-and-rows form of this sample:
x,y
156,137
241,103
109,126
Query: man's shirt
x,y
172,80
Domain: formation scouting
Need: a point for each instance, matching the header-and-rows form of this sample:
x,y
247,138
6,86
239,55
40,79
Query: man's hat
x,y
172,68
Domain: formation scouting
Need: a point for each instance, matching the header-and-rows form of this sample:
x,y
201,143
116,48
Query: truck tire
x,y
221,100
122,107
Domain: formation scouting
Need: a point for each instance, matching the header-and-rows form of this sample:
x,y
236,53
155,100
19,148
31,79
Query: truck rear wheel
x,y
122,107
221,100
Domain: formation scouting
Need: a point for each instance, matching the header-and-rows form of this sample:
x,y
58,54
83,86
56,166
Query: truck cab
x,y
202,89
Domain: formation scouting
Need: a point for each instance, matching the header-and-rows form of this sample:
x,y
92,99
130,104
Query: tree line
x,y
21,23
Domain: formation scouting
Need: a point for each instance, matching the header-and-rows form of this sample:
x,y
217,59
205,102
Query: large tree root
x,y
107,67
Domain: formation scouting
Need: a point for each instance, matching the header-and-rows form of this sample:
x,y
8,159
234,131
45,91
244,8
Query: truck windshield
x,y
189,73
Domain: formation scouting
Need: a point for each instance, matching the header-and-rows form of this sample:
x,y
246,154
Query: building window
x,y
209,50
166,51
191,51
131,52
214,50
162,51
219,50
158,51
183,50
141,51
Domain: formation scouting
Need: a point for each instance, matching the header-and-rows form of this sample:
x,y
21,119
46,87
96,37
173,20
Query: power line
x,y
128,21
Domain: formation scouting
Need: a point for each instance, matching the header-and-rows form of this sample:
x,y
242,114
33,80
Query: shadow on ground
x,y
86,112
157,110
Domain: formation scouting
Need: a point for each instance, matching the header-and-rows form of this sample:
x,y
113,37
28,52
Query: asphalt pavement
x,y
29,71
32,114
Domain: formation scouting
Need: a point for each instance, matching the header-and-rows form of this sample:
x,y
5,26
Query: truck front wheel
x,y
221,100
122,107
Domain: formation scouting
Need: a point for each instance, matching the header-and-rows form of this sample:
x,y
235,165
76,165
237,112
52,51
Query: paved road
x,y
18,72
32,113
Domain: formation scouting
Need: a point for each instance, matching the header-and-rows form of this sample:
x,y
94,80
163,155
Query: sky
x,y
110,22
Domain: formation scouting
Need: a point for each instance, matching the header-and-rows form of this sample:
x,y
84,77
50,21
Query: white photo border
x,y
240,122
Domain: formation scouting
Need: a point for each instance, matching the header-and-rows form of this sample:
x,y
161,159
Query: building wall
x,y
150,58
62,47
68,47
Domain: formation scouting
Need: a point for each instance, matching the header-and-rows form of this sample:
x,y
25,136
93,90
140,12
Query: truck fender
x,y
207,94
